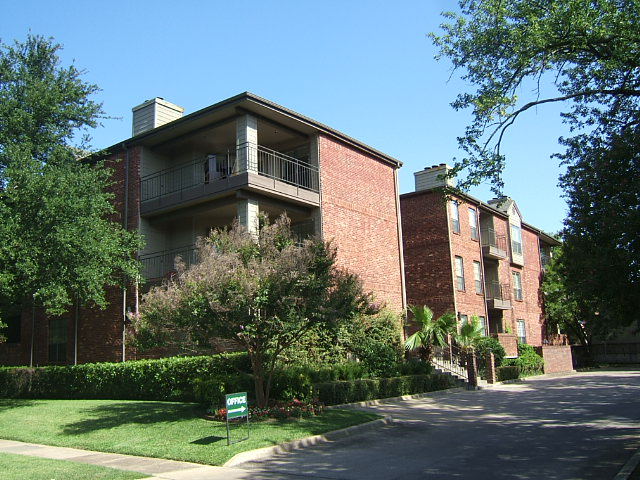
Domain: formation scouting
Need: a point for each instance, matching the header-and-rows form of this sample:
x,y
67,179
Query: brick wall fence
x,y
557,358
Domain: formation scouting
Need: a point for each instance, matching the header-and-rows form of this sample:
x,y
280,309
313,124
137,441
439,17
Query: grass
x,y
22,467
152,429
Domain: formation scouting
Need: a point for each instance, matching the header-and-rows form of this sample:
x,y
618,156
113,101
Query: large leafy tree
x,y
59,241
566,312
263,294
585,55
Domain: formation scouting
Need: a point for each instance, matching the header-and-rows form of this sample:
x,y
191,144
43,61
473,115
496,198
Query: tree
x,y
261,293
470,333
59,239
601,252
565,311
587,50
432,332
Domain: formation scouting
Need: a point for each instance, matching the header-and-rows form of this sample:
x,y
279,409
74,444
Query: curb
x,y
629,468
382,401
266,452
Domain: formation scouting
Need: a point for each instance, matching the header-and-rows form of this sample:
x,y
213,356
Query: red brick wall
x,y
359,215
530,308
427,254
557,358
468,302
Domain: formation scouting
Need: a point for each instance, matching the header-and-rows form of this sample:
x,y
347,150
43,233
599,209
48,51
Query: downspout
x,y
75,331
126,227
400,249
33,328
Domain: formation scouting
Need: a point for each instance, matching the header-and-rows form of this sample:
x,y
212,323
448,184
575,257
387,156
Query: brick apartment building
x,y
474,258
179,176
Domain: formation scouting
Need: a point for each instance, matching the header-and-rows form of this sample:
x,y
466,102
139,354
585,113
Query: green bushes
x,y
335,393
507,373
528,361
169,379
207,379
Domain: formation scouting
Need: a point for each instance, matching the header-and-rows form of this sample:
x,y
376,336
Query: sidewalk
x,y
155,468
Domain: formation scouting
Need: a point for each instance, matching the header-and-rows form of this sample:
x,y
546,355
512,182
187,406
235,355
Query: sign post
x,y
237,407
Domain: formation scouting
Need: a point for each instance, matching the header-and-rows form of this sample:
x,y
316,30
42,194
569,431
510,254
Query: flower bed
x,y
279,411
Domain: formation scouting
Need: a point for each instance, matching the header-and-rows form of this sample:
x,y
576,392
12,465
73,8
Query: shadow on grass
x,y
141,413
9,403
208,440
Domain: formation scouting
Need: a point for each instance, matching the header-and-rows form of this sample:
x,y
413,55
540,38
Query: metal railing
x,y
450,359
498,291
489,238
246,158
159,264
278,166
187,175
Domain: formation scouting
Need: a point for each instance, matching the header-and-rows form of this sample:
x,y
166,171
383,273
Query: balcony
x,y
493,246
160,264
251,167
498,296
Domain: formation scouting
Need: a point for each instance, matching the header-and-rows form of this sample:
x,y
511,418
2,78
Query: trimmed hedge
x,y
335,393
166,379
507,373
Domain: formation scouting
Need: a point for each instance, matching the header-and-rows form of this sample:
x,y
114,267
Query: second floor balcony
x,y
249,166
498,295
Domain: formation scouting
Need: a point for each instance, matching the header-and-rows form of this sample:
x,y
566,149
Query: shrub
x,y
507,373
528,361
168,379
415,367
485,345
335,393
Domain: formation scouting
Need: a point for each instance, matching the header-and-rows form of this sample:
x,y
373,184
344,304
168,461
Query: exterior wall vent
x,y
430,177
154,113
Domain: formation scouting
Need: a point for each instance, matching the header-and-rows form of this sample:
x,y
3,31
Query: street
x,y
581,426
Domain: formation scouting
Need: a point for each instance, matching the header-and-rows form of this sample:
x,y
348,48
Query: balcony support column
x,y
248,215
246,143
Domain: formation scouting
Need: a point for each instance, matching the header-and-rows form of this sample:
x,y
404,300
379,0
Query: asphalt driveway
x,y
582,426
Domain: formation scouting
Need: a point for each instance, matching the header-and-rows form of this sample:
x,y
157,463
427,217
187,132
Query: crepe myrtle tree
x,y
263,293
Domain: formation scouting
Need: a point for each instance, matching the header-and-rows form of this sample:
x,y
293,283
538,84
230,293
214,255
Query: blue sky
x,y
365,68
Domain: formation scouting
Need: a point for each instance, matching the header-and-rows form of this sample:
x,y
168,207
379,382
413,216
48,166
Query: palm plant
x,y
432,332
470,332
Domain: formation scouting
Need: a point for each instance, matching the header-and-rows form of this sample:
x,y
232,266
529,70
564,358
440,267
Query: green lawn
x,y
151,429
22,467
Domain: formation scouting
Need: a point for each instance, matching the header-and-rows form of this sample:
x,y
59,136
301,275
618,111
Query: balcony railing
x,y
498,295
493,245
246,158
159,264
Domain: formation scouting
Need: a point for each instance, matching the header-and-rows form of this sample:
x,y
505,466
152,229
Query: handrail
x,y
158,264
489,238
498,291
247,157
450,358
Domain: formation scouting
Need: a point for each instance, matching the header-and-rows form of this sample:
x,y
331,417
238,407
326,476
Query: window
x,y
522,332
459,273
483,326
455,219
463,320
473,224
517,285
57,340
516,240
477,277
